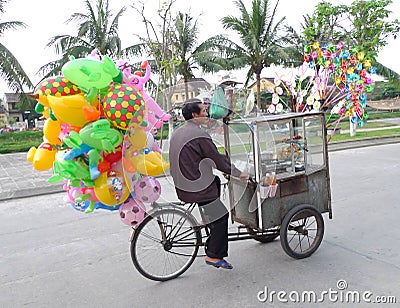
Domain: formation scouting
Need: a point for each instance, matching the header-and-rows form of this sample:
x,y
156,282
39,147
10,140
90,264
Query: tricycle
x,y
288,191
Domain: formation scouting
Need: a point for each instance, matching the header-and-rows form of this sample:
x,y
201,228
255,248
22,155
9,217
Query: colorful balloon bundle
x,y
98,136
342,77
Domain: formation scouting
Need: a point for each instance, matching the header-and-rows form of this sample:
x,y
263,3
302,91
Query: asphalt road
x,y
54,256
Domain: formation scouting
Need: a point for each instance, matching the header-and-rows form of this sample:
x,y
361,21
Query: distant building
x,y
3,115
181,92
265,83
10,101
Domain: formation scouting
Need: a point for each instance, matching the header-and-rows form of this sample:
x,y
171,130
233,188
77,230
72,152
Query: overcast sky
x,y
46,18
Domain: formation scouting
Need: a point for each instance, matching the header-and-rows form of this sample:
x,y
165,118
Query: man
x,y
192,156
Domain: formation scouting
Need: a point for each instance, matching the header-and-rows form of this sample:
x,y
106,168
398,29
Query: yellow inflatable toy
x,y
111,188
73,109
150,164
135,140
51,131
43,157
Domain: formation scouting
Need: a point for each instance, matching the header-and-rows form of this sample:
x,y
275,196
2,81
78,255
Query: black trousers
x,y
216,216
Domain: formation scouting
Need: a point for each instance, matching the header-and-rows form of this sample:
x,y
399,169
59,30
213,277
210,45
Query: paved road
x,y
53,256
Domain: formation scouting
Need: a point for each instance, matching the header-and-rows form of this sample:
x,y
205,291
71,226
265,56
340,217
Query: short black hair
x,y
191,105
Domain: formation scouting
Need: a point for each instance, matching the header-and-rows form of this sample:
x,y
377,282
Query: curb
x,y
361,143
30,192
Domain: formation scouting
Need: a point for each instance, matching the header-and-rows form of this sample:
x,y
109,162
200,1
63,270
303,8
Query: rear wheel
x,y
302,231
262,238
165,244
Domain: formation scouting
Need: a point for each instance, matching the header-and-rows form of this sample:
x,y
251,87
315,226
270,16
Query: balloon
x,y
92,139
51,131
73,109
90,73
43,157
132,212
150,164
99,135
76,170
154,115
54,86
110,188
135,140
147,189
124,105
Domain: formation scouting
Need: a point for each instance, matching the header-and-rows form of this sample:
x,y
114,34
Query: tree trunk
x,y
258,83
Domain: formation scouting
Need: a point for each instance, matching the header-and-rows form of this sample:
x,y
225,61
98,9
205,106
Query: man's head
x,y
194,109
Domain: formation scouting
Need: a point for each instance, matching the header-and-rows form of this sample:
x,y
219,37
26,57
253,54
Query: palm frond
x,y
12,72
10,25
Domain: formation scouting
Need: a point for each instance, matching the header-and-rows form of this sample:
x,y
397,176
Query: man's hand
x,y
244,176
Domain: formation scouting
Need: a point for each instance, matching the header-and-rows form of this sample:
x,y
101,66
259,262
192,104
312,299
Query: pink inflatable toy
x,y
132,212
147,189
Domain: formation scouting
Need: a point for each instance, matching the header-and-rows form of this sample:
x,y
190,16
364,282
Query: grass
x,y
369,134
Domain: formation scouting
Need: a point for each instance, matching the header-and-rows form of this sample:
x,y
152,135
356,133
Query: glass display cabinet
x,y
286,156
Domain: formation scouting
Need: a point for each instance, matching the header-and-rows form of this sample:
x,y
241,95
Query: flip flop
x,y
221,263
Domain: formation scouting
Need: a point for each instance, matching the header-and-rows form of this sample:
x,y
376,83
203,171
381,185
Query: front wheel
x,y
302,231
165,244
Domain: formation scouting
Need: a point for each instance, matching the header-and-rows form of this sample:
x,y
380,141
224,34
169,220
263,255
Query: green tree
x,y
97,29
191,55
364,24
261,43
11,70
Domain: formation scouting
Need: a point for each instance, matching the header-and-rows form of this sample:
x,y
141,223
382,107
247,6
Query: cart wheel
x,y
267,238
165,244
302,231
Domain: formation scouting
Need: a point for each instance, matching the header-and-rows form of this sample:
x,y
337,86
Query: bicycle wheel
x,y
165,244
302,231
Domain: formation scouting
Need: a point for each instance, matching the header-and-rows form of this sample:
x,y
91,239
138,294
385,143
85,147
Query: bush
x,y
19,141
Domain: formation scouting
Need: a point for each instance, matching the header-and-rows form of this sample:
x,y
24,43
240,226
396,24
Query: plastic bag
x,y
218,104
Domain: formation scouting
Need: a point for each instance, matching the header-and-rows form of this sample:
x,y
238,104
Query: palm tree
x,y
97,29
191,56
11,70
261,43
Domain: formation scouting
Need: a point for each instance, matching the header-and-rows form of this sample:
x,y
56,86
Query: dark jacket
x,y
192,156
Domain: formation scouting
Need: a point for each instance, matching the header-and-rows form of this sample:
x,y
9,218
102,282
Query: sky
x,y
46,18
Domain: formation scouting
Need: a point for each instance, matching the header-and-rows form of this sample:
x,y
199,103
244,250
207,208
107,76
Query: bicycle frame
x,y
241,234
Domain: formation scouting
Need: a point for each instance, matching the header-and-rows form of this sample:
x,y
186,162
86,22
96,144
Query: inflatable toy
x,y
154,114
92,139
73,109
147,189
110,188
42,158
150,163
124,105
132,212
90,73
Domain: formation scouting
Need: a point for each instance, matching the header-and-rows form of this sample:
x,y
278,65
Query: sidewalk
x,y
18,179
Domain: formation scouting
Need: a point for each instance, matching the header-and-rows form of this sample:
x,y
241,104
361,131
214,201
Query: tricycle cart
x,y
289,190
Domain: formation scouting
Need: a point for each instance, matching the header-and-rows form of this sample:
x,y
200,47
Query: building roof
x,y
192,85
11,97
265,83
